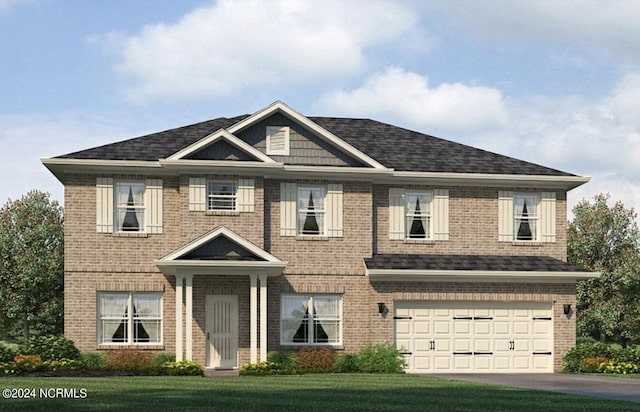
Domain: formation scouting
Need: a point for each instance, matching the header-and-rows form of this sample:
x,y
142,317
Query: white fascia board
x,y
219,166
485,179
309,124
220,267
60,167
221,135
418,275
213,234
331,172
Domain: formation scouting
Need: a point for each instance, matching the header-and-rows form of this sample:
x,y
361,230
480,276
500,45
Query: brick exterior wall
x,y
97,262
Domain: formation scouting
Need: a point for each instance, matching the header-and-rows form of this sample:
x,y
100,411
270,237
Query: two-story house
x,y
225,239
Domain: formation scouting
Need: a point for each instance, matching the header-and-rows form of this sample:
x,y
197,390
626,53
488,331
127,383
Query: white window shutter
x,y
245,198
104,205
548,217
153,206
333,205
288,202
440,214
505,216
396,213
197,194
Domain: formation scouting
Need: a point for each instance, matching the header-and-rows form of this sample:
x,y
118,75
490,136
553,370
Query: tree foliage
x,y
31,265
607,240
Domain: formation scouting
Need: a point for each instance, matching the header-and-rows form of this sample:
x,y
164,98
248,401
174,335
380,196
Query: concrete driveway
x,y
600,386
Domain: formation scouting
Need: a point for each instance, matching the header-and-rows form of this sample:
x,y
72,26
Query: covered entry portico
x,y
221,252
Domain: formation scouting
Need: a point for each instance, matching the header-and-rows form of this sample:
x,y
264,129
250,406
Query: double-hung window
x,y
418,215
311,320
130,207
311,210
129,318
222,195
525,217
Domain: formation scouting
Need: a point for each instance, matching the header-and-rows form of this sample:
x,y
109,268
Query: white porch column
x,y
179,351
189,320
263,317
253,323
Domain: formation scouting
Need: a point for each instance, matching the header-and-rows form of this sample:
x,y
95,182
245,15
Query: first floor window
x,y
311,319
130,206
418,215
525,217
129,318
221,195
311,211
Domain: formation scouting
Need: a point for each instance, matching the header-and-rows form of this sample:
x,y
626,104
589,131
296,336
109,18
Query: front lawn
x,y
312,392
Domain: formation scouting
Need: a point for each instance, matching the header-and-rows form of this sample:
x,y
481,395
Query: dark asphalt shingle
x,y
470,262
392,146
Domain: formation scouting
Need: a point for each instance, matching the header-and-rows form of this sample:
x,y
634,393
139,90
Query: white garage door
x,y
475,337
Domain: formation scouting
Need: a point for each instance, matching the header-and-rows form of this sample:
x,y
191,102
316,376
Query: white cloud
x,y
595,26
407,97
229,46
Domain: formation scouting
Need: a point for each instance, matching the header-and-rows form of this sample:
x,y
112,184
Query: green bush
x,y
592,365
94,360
162,358
50,348
63,365
6,354
286,360
347,363
380,358
602,358
614,366
574,357
315,360
263,369
181,368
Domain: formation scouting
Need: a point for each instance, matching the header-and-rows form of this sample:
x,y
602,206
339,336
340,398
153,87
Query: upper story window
x,y
129,318
278,140
222,195
130,206
525,217
311,210
418,215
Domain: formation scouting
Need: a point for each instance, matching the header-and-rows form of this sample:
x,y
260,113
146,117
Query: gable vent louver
x,y
278,140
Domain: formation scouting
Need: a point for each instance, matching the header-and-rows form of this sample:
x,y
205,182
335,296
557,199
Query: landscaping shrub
x,y
6,354
615,366
129,360
592,365
94,360
286,360
380,358
162,358
63,365
263,369
597,357
50,348
312,360
347,363
574,357
181,368
27,363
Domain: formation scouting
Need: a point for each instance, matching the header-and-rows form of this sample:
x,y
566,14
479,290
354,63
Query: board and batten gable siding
x,y
305,148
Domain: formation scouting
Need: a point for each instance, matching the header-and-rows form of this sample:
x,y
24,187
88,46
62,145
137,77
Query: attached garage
x,y
474,337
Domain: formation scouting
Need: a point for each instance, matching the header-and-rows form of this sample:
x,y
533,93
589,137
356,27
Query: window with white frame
x,y
311,320
129,318
525,217
222,195
311,210
130,207
418,215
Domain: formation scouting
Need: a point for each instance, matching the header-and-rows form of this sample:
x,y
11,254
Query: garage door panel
x,y
483,337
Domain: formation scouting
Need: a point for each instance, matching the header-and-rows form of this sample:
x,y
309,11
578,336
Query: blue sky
x,y
555,83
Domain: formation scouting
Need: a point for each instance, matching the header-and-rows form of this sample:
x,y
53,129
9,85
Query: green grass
x,y
326,393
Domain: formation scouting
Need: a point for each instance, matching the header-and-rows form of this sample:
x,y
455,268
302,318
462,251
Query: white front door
x,y
222,331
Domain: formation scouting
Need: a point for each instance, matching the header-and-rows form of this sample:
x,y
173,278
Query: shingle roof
x,y
470,262
392,146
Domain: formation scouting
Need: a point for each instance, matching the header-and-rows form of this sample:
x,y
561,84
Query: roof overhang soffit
x,y
417,275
